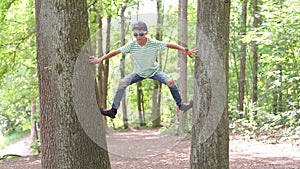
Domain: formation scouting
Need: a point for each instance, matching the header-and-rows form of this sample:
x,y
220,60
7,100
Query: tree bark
x,y
72,132
106,62
139,85
210,134
34,130
100,52
124,106
140,103
156,96
182,60
255,54
242,77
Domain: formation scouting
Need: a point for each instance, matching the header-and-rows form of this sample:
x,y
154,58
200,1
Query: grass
x,y
6,140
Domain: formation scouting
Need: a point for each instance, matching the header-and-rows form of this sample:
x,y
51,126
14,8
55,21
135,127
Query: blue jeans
x,y
134,78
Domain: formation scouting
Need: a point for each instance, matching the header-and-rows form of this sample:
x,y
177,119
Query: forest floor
x,y
150,149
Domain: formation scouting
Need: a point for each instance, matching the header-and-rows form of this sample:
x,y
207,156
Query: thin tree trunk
x,y
182,60
140,100
33,131
140,103
255,54
156,118
156,96
106,62
210,134
242,78
124,106
100,65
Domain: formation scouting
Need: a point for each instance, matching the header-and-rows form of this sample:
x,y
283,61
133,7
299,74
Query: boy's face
x,y
139,34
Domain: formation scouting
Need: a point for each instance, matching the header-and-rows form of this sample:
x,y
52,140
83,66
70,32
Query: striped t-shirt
x,y
145,64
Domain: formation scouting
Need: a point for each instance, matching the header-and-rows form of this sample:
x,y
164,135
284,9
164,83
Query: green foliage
x,y
264,123
278,76
277,36
18,74
35,146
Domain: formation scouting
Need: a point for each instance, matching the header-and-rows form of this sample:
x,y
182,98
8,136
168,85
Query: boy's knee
x,y
171,83
123,83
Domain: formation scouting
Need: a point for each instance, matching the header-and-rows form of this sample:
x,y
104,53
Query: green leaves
x,y
18,74
278,40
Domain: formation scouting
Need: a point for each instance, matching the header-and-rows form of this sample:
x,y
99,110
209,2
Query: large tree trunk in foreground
x,y
72,134
210,135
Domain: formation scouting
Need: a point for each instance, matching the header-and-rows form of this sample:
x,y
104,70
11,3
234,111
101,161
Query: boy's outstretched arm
x,y
190,52
95,60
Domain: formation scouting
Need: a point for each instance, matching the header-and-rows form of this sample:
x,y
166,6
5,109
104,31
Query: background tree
x,y
139,85
242,76
210,135
182,59
156,96
61,36
255,53
122,66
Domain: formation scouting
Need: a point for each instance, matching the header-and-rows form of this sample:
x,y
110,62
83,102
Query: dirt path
x,y
149,149
21,147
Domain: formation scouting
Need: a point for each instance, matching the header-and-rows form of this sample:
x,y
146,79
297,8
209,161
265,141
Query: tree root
x,y
9,156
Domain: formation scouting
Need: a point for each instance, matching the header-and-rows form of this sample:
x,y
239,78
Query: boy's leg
x,y
124,83
167,80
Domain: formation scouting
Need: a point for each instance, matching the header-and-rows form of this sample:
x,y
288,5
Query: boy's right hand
x,y
95,60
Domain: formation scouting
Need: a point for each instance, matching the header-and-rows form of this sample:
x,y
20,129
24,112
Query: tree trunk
x,y
33,131
100,65
103,68
182,60
124,106
210,134
255,54
242,78
72,134
156,116
140,103
106,62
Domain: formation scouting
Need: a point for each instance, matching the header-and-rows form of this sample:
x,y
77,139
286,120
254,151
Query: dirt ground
x,y
149,149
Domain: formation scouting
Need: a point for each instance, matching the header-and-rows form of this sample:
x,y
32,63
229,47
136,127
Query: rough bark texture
x,y
71,125
210,135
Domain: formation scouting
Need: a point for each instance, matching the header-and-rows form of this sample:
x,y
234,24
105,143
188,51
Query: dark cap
x,y
139,26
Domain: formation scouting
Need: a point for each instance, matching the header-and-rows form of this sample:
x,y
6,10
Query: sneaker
x,y
185,106
109,112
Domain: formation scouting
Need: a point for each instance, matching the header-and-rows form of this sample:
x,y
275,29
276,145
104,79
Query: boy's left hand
x,y
192,52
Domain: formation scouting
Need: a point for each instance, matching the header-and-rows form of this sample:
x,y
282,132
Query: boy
x,y
144,52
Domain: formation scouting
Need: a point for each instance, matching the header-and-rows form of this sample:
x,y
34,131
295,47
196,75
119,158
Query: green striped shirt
x,y
145,64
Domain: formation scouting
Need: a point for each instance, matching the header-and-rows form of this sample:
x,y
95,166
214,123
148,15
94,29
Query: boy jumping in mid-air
x,y
144,52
